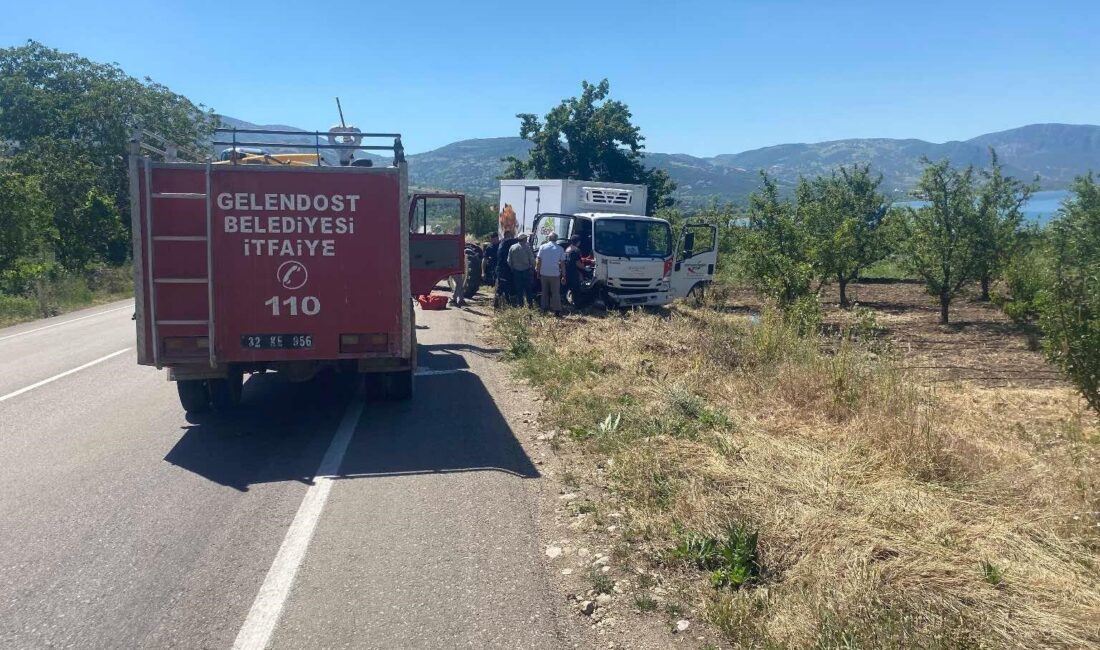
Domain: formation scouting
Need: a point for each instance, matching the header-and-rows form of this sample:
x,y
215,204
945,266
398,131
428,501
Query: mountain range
x,y
1055,153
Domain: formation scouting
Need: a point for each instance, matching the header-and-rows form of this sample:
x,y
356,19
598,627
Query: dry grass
x,y
893,509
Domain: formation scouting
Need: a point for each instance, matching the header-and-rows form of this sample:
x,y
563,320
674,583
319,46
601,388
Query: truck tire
x,y
194,396
398,385
697,294
374,386
226,393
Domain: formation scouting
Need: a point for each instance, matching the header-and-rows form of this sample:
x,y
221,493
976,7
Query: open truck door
x,y
545,223
696,256
437,237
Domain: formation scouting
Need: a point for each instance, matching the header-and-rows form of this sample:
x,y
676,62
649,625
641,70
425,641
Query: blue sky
x,y
700,77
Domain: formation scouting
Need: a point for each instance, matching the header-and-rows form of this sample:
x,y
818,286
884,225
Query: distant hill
x,y
1053,152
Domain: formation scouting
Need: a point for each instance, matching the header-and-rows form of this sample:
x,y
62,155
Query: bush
x,y
1026,276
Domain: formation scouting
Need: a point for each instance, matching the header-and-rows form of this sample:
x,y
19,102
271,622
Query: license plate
x,y
277,341
634,301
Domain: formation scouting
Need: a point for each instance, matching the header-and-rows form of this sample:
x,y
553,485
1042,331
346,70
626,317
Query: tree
x,y
1070,309
939,240
843,212
25,224
481,217
774,247
68,120
589,137
999,216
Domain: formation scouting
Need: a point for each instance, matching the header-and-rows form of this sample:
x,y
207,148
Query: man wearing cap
x,y
550,267
522,261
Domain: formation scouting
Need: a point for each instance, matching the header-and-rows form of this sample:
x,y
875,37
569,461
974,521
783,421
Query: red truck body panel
x,y
270,263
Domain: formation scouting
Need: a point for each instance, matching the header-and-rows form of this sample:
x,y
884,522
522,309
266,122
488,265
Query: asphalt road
x,y
122,524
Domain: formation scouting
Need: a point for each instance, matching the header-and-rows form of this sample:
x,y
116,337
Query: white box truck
x,y
630,256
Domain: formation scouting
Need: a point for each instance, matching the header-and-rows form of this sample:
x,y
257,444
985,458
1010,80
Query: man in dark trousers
x,y
504,272
490,272
574,268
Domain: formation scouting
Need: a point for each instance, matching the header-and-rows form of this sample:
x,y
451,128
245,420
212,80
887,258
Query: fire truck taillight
x,y
364,342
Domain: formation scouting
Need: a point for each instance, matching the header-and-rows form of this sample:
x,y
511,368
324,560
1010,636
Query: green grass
x,y
887,269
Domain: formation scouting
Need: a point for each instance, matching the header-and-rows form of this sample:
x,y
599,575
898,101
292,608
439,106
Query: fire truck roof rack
x,y
343,141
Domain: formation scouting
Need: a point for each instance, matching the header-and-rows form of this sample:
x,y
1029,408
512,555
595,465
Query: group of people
x,y
516,268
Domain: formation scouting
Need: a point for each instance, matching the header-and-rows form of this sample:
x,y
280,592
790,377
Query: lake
x,y
1040,209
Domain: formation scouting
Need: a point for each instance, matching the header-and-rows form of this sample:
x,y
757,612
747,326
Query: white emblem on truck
x,y
292,275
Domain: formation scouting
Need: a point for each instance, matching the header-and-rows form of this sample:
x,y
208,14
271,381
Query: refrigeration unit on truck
x,y
283,264
631,256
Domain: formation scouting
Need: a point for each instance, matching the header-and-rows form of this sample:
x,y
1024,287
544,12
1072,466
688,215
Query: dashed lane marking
x,y
63,374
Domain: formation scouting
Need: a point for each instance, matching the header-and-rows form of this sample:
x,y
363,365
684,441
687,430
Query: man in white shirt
x,y
550,267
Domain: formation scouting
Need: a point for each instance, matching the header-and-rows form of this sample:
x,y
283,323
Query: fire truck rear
x,y
281,264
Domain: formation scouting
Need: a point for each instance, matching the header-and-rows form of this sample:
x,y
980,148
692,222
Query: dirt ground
x,y
980,346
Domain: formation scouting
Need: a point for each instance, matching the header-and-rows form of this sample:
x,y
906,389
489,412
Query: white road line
x,y
64,374
65,322
260,622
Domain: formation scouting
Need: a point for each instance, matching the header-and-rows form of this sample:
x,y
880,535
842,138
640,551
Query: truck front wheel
x,y
193,395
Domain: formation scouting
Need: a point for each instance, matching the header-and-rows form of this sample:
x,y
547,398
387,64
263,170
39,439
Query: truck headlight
x,y
662,285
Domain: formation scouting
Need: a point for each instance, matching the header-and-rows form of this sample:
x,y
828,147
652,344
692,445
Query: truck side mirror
x,y
689,245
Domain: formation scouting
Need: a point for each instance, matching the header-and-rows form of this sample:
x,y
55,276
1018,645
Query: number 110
x,y
310,305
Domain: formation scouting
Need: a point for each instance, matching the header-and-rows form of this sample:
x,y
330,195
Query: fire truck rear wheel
x,y
194,396
399,385
226,393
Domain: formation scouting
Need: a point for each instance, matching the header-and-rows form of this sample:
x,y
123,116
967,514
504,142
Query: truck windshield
x,y
633,238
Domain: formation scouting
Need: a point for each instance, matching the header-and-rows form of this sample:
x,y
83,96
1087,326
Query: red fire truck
x,y
265,262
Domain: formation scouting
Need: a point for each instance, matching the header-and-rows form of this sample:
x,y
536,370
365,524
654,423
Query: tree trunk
x,y
945,306
843,282
985,288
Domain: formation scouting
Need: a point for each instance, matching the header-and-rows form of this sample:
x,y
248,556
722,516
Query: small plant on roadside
x,y
513,326
610,424
601,582
645,603
992,573
582,507
732,559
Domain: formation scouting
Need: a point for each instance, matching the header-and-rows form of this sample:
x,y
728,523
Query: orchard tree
x,y
999,217
1070,310
589,137
842,213
774,247
940,238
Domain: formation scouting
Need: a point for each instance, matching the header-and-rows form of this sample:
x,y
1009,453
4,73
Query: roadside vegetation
x,y
65,124
878,430
809,490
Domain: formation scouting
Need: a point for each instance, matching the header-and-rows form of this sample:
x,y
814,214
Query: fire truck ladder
x,y
169,283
